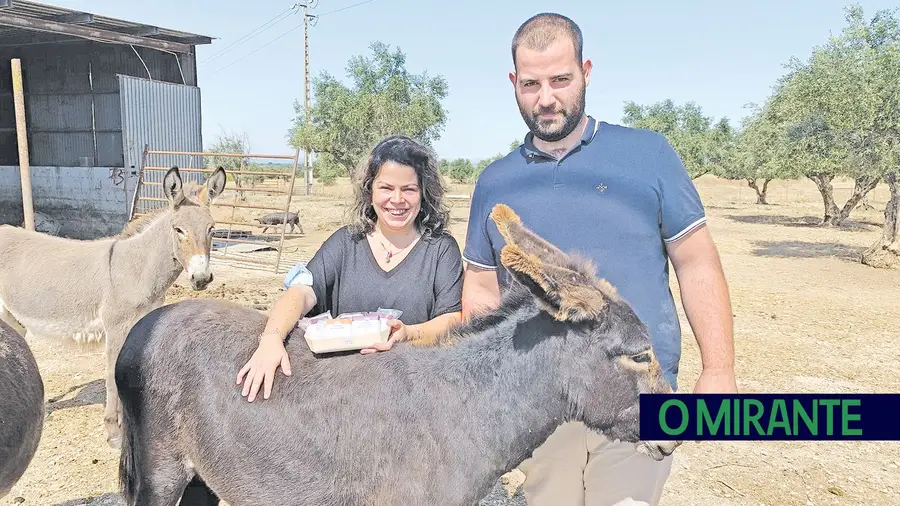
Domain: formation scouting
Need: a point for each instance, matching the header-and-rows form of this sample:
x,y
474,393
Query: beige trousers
x,y
578,467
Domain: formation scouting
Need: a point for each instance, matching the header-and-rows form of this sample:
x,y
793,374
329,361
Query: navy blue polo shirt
x,y
617,198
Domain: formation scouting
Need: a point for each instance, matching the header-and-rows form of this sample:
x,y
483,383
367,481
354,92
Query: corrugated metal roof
x,y
80,20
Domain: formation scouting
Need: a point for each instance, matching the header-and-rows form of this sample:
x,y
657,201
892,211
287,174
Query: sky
x,y
721,55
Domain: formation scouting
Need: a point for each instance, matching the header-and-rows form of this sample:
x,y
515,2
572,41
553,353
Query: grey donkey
x,y
93,291
374,430
21,407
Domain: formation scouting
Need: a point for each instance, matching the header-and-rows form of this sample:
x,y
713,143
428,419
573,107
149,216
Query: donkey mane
x,y
515,297
485,335
139,224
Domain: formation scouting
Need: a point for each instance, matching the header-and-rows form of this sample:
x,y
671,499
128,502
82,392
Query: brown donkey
x,y
91,291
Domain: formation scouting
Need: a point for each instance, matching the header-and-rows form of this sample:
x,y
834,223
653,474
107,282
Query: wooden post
x,y
22,139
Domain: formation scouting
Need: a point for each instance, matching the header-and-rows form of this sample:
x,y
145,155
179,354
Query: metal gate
x,y
243,247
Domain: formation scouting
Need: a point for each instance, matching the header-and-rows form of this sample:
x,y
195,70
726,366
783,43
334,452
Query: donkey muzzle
x,y
199,273
657,450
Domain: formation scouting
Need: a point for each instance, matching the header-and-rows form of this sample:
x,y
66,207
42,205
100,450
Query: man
x,y
622,197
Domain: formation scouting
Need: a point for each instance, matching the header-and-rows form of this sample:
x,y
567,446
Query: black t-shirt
x,y
425,284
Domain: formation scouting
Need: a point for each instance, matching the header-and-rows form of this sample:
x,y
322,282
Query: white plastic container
x,y
349,331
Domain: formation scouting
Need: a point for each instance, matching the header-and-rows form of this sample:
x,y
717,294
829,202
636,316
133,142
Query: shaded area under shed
x,y
97,91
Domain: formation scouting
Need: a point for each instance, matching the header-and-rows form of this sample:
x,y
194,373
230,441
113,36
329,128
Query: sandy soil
x,y
808,318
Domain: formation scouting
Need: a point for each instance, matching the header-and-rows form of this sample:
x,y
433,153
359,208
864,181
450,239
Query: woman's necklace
x,y
388,254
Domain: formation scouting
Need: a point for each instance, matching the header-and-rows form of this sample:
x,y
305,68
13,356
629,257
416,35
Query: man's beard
x,y
571,119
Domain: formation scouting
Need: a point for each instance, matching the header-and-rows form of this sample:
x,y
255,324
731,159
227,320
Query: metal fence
x,y
257,190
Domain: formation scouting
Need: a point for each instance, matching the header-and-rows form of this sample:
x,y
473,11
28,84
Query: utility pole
x,y
307,168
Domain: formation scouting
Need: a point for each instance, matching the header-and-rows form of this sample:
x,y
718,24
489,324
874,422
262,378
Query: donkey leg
x,y
163,486
112,412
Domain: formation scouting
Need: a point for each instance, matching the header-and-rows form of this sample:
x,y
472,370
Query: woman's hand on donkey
x,y
260,369
399,332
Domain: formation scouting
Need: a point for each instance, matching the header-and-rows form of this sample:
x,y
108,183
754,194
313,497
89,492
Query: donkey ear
x,y
213,186
172,187
514,232
567,289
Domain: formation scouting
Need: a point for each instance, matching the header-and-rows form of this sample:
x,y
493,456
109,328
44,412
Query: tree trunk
x,y
760,194
885,253
823,183
861,188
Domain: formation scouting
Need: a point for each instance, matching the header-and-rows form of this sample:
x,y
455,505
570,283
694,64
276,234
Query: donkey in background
x,y
90,290
359,430
21,407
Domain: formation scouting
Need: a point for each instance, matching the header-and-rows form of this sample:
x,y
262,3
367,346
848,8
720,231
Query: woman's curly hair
x,y
433,213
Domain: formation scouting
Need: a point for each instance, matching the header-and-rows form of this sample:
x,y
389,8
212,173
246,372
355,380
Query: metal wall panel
x,y
109,149
7,109
59,113
109,61
57,105
107,112
60,149
164,116
56,69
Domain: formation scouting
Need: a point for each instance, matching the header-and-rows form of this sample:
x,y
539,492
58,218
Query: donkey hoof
x,y
115,442
114,437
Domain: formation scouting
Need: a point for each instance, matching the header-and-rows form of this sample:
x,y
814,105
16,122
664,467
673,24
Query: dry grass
x,y
808,318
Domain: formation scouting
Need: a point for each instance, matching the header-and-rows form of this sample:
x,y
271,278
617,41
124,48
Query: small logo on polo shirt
x,y
601,187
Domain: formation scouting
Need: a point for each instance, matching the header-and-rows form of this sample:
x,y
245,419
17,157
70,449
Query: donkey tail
x,y
128,383
128,480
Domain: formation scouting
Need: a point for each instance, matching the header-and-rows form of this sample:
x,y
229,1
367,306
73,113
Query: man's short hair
x,y
541,30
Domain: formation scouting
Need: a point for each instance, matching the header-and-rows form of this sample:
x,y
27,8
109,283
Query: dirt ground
x,y
808,318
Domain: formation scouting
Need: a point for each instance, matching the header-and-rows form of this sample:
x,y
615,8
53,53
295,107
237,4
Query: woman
x,y
396,253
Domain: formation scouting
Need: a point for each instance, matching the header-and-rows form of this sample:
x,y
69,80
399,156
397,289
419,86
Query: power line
x,y
257,49
256,31
345,8
265,26
312,18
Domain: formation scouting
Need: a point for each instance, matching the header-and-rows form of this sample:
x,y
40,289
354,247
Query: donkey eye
x,y
179,231
641,358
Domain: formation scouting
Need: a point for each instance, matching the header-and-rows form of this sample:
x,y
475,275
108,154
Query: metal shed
x,y
97,89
